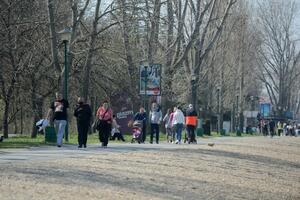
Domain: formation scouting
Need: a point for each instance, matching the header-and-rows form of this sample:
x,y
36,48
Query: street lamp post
x,y
219,109
65,36
193,82
145,86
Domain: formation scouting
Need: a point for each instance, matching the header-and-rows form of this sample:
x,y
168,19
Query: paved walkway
x,y
72,151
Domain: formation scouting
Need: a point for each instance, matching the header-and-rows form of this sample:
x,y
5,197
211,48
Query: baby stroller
x,y
137,132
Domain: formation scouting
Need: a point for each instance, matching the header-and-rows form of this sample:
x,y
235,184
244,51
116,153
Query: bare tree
x,y
278,56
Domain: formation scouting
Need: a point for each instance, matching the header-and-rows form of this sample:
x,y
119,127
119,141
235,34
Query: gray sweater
x,y
155,117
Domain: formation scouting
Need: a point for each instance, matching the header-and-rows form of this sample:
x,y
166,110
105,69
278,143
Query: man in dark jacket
x,y
83,114
191,123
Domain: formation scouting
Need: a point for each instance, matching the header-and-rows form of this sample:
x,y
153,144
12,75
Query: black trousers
x,y
191,133
119,136
82,128
144,130
104,133
154,130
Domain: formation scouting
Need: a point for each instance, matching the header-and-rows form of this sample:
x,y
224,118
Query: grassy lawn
x,y
24,141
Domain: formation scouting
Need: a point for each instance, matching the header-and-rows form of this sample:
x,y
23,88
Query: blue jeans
x,y
60,126
178,130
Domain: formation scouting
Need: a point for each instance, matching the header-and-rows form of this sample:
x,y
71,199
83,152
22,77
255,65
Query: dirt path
x,y
235,168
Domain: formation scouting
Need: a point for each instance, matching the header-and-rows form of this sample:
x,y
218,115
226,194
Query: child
x,y
115,132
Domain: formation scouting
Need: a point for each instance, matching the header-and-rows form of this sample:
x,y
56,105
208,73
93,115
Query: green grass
x,y
22,142
25,141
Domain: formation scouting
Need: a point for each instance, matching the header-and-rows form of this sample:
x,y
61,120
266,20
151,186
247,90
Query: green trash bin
x,y
239,133
200,132
223,132
50,135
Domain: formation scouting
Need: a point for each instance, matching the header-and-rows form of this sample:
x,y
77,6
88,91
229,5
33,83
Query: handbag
x,y
96,124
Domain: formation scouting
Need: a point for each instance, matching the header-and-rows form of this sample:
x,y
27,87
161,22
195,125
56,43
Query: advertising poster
x,y
265,109
150,79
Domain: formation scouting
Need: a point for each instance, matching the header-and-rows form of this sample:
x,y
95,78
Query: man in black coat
x,y
83,113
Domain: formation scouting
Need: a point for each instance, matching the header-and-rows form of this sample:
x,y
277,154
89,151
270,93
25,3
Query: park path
x,y
234,168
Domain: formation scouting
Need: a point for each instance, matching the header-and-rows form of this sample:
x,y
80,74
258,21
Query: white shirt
x,y
178,117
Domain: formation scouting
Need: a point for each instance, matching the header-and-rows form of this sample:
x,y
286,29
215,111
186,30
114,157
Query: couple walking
x,y
175,122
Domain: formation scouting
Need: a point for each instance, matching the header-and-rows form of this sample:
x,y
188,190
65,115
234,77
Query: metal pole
x,y
145,88
66,86
218,110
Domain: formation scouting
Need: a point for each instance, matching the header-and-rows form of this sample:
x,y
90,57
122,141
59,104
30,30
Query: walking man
x,y
191,123
59,110
155,117
83,114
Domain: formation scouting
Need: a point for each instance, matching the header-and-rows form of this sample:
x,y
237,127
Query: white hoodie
x,y
178,117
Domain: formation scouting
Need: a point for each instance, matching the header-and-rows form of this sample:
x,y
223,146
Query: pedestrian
x,y
168,125
279,128
115,132
105,115
272,127
155,117
142,116
58,109
191,123
178,123
265,128
83,114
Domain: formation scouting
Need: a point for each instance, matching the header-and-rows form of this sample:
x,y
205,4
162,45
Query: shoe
x,y
58,145
157,142
176,142
151,142
79,146
84,145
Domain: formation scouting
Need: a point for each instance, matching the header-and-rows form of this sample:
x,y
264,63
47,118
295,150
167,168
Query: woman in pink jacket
x,y
105,115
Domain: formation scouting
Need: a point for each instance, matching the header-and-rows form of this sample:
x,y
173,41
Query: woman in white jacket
x,y
178,123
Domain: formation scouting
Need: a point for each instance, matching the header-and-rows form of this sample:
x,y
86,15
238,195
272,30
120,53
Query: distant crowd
x,y
270,127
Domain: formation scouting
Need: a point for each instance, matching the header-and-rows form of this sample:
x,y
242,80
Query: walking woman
x,y
178,123
105,115
83,113
168,125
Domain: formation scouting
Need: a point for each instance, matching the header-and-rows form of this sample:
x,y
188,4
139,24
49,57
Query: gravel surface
x,y
234,168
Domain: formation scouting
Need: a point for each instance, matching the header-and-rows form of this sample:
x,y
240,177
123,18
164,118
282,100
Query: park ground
x,y
233,168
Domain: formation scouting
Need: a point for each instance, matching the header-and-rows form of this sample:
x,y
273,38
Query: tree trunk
x,y
5,119
128,50
53,38
153,40
90,53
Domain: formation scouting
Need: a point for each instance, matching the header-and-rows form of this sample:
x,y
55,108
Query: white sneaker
x,y
176,142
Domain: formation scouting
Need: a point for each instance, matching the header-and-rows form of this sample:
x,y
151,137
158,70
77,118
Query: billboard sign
x,y
150,79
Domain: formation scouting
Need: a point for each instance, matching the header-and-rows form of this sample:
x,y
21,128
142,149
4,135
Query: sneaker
x,y
58,145
176,142
80,146
84,145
